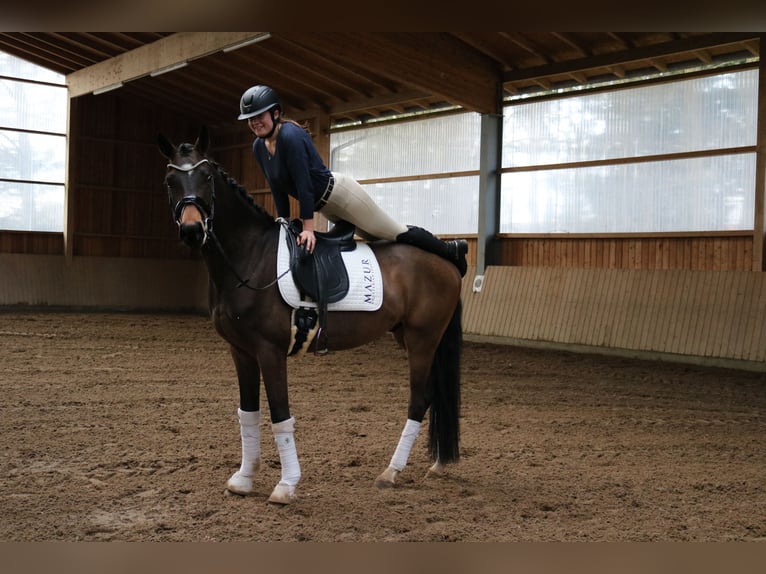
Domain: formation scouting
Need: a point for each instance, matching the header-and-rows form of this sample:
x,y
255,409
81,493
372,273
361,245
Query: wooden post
x,y
759,228
71,177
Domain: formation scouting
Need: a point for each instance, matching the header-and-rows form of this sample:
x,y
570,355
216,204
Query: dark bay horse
x,y
238,239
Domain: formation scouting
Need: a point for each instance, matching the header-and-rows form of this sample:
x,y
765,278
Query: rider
x,y
292,166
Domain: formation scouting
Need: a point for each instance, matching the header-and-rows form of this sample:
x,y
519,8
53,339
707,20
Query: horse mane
x,y
233,183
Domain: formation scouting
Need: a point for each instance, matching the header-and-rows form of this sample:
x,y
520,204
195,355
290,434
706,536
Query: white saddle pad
x,y
365,291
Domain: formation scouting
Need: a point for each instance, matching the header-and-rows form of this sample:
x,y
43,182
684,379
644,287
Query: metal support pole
x,y
489,193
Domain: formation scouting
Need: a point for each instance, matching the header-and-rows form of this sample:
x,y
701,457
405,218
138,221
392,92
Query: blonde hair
x,y
305,126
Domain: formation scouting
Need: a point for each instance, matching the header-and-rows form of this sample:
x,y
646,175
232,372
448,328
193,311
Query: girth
x,y
321,275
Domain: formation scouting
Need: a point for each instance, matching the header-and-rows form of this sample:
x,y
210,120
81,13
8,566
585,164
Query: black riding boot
x,y
453,251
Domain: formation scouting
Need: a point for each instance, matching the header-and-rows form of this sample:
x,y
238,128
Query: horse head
x,y
190,180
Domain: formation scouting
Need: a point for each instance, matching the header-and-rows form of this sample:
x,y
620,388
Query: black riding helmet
x,y
256,100
259,99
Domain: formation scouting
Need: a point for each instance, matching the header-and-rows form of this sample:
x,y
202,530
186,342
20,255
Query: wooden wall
x,y
714,252
102,283
34,243
708,317
118,204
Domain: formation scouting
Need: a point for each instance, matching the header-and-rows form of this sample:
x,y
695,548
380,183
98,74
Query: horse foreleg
x,y
387,478
241,482
284,491
249,378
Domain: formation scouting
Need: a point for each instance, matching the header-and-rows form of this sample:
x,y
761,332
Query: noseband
x,y
207,211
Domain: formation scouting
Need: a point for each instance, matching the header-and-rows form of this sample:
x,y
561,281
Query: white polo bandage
x,y
288,455
249,427
402,452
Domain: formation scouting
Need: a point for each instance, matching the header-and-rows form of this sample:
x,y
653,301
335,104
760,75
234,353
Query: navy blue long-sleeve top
x,y
295,169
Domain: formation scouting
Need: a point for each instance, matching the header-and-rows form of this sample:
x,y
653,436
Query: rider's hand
x,y
307,239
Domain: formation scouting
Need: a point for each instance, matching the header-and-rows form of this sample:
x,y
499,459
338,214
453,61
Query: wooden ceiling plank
x,y
390,100
341,52
480,43
306,76
569,41
171,50
298,54
704,55
434,63
624,42
644,53
527,45
578,77
36,48
113,43
618,71
658,64
752,46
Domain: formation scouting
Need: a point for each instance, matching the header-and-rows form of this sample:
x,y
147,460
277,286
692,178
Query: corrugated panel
x,y
700,313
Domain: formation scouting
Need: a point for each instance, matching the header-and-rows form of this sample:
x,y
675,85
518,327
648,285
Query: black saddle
x,y
321,275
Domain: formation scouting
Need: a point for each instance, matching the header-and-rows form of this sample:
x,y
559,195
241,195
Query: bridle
x,y
208,212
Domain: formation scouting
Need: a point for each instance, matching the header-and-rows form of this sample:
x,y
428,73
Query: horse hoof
x,y
282,494
437,469
387,478
240,484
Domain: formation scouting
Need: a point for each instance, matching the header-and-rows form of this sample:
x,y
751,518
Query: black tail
x,y
444,421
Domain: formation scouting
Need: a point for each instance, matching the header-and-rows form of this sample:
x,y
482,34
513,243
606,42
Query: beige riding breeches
x,y
350,202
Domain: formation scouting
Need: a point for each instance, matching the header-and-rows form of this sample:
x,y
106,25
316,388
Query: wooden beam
x,y
436,63
390,100
583,53
429,62
164,53
632,55
759,225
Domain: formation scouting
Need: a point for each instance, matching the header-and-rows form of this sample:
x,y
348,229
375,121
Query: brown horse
x,y
238,239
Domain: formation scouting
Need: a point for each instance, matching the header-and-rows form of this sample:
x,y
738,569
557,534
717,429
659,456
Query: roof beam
x,y
164,53
605,60
427,62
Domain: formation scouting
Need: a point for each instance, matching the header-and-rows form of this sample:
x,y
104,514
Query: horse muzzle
x,y
193,234
193,226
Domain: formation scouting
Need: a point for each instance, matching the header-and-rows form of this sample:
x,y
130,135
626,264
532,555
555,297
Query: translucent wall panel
x,y
37,159
14,67
704,194
36,107
436,145
440,205
32,157
697,114
30,207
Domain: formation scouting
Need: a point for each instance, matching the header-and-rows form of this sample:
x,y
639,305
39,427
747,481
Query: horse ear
x,y
167,148
203,141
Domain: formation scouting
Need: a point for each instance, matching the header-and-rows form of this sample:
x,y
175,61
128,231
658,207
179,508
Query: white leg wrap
x,y
402,452
241,481
288,454
250,430
284,491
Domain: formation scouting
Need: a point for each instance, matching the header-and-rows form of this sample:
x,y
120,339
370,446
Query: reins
x,y
242,282
207,226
